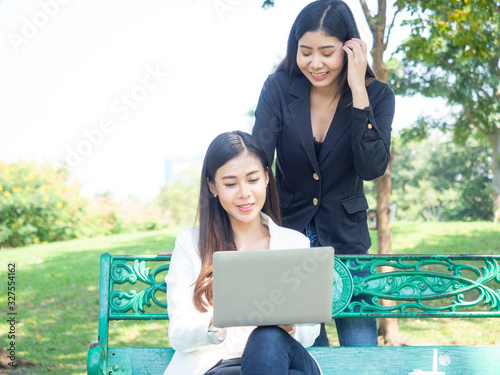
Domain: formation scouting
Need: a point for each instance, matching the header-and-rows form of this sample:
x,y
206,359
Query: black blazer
x,y
328,188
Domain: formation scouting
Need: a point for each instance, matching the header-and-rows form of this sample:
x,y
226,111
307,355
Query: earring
x,y
215,195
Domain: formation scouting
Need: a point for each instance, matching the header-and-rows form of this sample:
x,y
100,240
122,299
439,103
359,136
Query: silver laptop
x,y
268,287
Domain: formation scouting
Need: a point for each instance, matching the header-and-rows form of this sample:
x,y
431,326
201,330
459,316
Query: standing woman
x,y
238,210
329,121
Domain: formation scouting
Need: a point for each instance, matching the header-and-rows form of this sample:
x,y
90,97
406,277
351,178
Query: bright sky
x,y
116,87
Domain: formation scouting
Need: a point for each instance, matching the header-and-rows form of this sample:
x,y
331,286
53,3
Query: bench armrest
x,y
96,359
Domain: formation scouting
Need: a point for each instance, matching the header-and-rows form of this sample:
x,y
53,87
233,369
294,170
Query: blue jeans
x,y
351,331
270,350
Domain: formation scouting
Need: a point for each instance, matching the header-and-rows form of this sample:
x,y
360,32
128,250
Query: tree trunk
x,y
388,327
495,146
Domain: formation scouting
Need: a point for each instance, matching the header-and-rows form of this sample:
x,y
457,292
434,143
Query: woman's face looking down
x,y
241,188
320,57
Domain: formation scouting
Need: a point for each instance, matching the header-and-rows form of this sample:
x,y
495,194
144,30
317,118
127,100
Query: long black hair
x,y
216,233
335,18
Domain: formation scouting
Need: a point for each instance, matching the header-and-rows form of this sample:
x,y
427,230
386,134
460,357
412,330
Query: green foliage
x,y
268,4
465,28
38,204
453,52
435,180
106,216
179,199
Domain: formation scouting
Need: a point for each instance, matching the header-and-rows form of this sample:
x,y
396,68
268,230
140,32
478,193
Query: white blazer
x,y
197,350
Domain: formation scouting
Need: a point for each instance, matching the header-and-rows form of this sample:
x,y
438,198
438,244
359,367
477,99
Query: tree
x,y
453,52
388,327
38,204
435,179
180,198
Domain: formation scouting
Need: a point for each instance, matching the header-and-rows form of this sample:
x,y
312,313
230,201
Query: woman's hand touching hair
x,y
356,51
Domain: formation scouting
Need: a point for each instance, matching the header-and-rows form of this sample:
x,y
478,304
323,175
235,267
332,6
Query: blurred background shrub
x,y
39,204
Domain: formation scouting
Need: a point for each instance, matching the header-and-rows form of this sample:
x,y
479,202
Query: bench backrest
x,y
133,287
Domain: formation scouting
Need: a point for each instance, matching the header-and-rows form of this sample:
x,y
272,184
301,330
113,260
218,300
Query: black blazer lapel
x,y
300,111
340,123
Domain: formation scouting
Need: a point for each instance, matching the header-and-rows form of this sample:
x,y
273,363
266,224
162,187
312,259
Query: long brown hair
x,y
335,18
216,233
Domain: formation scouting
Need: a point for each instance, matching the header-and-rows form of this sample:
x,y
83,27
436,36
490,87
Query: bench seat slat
x,y
463,360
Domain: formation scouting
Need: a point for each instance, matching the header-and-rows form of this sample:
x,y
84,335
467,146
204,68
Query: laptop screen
x,y
269,287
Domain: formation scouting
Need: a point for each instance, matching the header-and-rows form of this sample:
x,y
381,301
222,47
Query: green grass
x,y
57,288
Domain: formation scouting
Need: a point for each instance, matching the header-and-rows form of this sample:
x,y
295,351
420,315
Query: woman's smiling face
x,y
320,57
241,188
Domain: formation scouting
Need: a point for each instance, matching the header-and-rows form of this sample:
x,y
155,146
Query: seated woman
x,y
238,210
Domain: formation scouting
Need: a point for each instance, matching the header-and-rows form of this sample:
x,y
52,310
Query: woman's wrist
x,y
360,98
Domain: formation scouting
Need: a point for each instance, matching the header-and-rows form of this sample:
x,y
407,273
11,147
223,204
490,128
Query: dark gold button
x,y
315,201
316,177
370,126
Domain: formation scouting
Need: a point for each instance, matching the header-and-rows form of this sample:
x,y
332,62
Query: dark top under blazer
x,y
356,148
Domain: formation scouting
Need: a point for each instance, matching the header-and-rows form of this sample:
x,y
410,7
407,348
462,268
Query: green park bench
x,y
421,286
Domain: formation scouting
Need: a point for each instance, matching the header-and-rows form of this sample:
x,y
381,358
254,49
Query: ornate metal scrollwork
x,y
415,286
422,285
342,287
122,272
